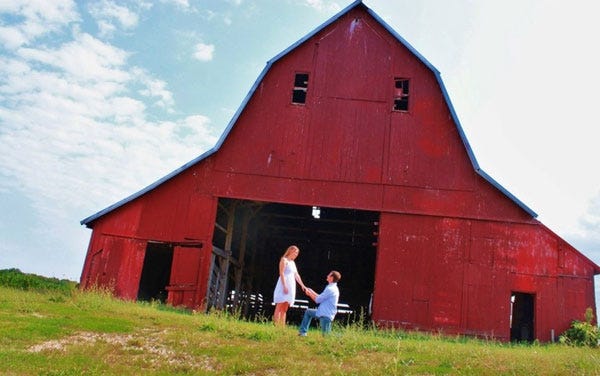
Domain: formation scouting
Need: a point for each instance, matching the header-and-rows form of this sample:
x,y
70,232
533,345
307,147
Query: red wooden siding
x,y
172,214
462,272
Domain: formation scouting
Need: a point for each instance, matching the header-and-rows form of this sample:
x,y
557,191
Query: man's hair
x,y
336,275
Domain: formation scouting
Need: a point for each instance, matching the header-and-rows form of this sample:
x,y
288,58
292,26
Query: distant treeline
x,y
14,278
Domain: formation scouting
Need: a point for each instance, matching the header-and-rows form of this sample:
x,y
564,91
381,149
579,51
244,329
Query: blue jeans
x,y
310,314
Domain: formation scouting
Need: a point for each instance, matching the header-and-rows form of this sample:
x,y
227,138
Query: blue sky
x,y
99,99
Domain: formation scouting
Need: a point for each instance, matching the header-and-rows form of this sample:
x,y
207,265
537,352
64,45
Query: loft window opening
x,y
401,86
300,88
316,212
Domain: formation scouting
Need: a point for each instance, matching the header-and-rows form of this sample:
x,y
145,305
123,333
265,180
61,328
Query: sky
x,y
99,99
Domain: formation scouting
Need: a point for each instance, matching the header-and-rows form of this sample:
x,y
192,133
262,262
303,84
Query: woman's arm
x,y
299,280
281,275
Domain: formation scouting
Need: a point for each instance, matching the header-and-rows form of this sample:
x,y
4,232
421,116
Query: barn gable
x,y
348,146
259,82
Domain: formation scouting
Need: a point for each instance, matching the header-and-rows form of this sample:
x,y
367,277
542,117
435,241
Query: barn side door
x,y
183,285
216,296
230,240
522,317
217,286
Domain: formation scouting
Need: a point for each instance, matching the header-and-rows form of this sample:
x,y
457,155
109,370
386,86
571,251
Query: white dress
x,y
289,273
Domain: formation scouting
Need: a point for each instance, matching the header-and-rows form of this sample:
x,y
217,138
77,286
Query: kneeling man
x,y
327,305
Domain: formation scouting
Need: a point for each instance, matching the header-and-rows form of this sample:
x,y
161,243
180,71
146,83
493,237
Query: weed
x,y
582,333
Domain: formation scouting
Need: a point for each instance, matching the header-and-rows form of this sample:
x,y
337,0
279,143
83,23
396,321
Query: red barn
x,y
348,146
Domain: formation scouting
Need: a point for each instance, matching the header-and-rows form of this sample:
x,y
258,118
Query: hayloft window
x,y
401,94
300,87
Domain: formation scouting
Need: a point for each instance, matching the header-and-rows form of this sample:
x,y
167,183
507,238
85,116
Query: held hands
x,y
309,292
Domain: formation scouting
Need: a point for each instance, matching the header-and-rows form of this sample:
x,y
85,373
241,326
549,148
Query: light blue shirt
x,y
328,301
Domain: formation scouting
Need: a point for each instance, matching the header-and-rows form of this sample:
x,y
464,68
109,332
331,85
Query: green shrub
x,y
582,333
14,278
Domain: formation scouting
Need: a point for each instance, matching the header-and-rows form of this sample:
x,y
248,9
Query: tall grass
x,y
48,332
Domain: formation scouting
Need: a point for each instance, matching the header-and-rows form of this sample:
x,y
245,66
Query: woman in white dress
x,y
285,290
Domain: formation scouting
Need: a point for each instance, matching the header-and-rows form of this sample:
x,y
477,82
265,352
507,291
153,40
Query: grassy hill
x,y
49,329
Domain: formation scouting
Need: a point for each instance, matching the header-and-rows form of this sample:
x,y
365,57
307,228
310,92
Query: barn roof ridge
x,y
259,79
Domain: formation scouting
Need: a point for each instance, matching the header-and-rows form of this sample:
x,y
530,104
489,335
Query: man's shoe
x,y
301,334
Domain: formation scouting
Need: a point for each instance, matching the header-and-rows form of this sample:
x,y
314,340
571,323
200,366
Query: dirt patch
x,y
147,343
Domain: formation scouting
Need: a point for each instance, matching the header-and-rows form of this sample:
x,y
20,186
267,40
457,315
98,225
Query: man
x,y
327,305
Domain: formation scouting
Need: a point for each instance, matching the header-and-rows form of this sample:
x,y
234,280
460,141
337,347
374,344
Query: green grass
x,y
57,332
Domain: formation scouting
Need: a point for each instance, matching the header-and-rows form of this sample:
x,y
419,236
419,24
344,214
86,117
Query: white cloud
x,y
323,5
184,4
85,58
155,88
204,52
69,147
109,16
37,18
106,28
590,221
12,37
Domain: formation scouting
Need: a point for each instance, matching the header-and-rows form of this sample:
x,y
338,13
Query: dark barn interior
x,y
156,272
254,235
522,317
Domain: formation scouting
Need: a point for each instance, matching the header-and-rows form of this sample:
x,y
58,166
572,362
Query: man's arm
x,y
326,294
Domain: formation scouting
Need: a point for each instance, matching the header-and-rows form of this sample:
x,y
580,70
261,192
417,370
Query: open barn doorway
x,y
250,237
156,272
522,317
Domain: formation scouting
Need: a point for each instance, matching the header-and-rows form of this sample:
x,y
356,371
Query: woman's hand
x,y
285,290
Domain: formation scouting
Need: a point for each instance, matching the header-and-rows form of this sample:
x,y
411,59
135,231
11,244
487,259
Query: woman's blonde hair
x,y
290,249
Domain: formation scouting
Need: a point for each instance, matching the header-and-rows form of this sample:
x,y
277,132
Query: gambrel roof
x,y
216,147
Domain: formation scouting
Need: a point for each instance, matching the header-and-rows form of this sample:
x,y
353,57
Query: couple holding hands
x,y
285,294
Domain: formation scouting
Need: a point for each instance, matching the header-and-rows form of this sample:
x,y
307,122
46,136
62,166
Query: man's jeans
x,y
310,314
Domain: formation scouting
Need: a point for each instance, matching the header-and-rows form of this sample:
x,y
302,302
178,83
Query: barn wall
x,y
103,262
114,262
174,212
345,146
458,275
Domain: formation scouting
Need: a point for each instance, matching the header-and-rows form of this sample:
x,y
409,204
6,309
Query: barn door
x,y
221,255
217,285
522,318
183,284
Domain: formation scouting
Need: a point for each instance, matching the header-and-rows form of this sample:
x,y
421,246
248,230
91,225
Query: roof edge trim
x,y
493,182
150,187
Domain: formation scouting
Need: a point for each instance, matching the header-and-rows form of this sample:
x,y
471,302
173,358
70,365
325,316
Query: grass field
x,y
55,331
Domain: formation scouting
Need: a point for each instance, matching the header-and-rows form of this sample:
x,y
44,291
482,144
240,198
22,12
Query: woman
x,y
285,290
